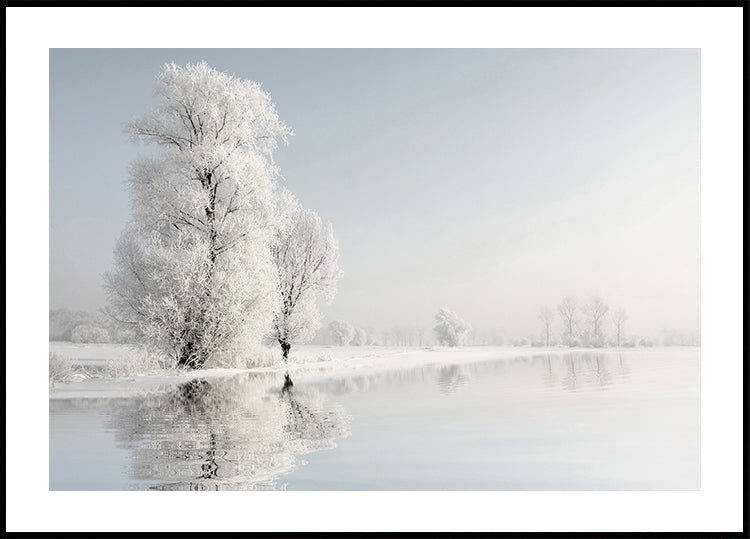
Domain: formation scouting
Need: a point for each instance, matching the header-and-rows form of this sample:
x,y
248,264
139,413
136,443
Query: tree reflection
x,y
549,378
570,381
236,433
588,371
623,367
451,378
602,375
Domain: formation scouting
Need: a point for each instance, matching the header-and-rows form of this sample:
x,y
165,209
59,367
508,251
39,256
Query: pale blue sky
x,y
493,181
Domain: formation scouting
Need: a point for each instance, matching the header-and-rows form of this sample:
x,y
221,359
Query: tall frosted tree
x,y
568,310
546,317
305,254
193,272
597,310
619,318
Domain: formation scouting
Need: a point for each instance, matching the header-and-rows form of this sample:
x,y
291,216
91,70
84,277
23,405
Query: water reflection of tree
x,y
549,379
570,380
623,369
451,378
586,370
571,371
601,374
235,433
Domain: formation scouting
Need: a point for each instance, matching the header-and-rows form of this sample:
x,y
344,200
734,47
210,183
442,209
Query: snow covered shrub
x,y
137,363
301,357
325,356
86,333
60,368
256,357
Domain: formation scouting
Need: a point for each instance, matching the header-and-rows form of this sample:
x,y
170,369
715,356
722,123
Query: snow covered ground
x,y
113,370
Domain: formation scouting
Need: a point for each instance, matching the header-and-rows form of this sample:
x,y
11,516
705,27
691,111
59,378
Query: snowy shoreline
x,y
338,361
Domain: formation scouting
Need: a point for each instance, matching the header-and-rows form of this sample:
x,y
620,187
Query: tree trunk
x,y
285,347
288,384
185,355
192,355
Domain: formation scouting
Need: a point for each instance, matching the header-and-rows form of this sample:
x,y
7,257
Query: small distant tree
x,y
619,317
360,337
342,332
596,309
450,329
64,322
568,310
546,317
305,255
90,334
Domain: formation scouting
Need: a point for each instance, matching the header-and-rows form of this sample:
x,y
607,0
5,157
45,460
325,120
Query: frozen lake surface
x,y
460,419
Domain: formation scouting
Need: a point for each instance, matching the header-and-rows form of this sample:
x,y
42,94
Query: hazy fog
x,y
491,181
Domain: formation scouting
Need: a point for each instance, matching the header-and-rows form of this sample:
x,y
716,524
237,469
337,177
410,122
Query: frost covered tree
x,y
193,273
306,258
546,317
596,309
360,337
568,310
450,329
619,317
86,333
342,332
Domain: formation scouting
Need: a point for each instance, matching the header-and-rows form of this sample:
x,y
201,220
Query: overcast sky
x,y
493,181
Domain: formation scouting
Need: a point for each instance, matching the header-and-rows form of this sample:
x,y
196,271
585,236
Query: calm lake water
x,y
562,421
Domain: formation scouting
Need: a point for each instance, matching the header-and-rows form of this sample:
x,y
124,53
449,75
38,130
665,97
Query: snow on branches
x,y
450,329
193,274
306,258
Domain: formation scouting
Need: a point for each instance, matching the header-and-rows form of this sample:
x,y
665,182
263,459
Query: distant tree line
x,y
449,330
85,327
345,334
588,323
